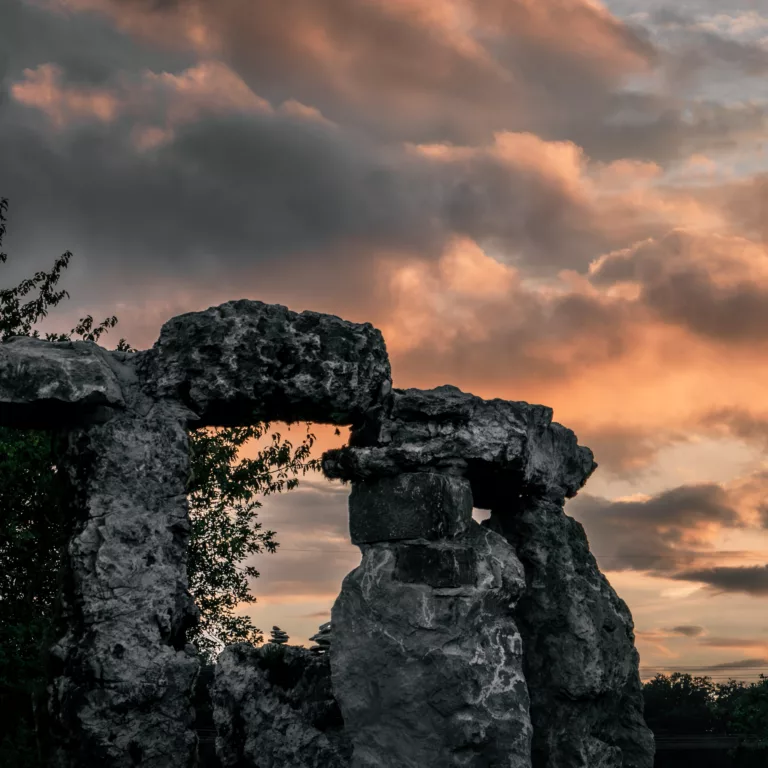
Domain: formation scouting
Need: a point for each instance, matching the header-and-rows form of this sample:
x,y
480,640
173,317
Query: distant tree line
x,y
683,704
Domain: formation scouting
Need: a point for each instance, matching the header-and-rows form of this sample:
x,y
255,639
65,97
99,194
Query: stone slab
x,y
409,506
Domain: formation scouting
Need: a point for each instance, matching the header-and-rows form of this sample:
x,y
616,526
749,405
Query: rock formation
x,y
580,664
122,677
322,639
274,708
278,637
454,644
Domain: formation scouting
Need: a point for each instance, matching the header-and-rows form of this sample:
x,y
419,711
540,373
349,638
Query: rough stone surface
x,y
427,667
246,361
581,665
409,506
45,384
274,708
124,677
494,443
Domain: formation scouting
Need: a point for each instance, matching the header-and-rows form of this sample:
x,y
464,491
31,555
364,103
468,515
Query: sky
x,y
557,201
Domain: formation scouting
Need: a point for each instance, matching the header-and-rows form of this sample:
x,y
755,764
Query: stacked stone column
x,y
426,660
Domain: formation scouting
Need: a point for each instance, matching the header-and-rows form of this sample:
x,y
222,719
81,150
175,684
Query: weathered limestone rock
x,y
274,708
495,444
121,696
427,667
44,384
246,361
580,660
123,678
581,665
432,632
428,506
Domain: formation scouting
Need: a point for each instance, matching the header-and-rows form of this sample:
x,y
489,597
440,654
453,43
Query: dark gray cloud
x,y
750,579
398,76
657,534
741,664
396,73
678,281
687,630
88,47
741,423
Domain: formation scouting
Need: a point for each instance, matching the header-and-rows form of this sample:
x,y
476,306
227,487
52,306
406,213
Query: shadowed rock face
x,y
274,707
121,696
581,665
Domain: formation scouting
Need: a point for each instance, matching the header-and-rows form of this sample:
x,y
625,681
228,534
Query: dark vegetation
x,y
692,717
224,501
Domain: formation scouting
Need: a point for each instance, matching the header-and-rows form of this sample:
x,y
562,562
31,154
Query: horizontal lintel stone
x,y
245,361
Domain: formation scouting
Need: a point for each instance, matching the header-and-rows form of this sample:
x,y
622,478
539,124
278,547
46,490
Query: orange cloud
x,y
41,89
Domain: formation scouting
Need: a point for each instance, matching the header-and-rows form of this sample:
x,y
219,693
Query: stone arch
x,y
417,460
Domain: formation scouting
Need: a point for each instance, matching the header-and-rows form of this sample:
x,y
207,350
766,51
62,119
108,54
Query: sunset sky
x,y
558,201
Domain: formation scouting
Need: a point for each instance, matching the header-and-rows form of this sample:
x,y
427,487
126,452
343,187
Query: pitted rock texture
x,y
409,506
124,677
246,361
426,657
581,665
274,708
495,444
45,384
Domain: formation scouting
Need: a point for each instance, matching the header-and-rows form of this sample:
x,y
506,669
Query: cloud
x,y
409,68
713,285
687,630
750,580
733,642
661,533
741,664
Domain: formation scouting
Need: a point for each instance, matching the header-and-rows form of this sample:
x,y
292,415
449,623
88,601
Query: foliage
x,y
680,703
749,713
33,532
223,508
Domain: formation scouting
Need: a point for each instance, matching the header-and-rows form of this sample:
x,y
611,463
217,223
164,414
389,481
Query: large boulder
x,y
273,708
246,361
